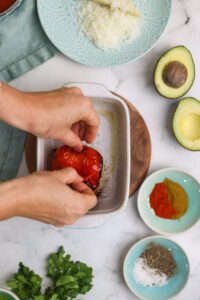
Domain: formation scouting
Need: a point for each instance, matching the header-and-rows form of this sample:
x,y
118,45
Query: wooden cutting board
x,y
140,148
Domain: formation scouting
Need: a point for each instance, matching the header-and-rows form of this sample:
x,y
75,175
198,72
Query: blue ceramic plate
x,y
175,284
60,22
165,226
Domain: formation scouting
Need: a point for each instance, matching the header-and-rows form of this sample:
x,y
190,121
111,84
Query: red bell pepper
x,y
88,163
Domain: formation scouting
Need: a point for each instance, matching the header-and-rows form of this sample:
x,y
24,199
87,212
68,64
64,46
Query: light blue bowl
x,y
8,295
165,226
175,284
60,22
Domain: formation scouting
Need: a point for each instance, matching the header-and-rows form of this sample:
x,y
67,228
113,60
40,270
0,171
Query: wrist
x,y
9,199
12,109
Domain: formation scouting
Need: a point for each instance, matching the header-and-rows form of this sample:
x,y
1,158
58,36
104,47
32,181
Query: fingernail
x,y
78,148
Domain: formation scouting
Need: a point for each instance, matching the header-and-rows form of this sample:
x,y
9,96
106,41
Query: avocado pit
x,y
175,74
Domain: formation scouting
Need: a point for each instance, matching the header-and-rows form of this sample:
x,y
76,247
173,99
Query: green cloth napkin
x,y
23,46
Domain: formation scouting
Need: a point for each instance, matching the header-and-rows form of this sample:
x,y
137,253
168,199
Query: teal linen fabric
x,y
11,149
23,46
23,43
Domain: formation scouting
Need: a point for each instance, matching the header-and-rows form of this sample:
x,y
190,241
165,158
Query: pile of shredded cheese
x,y
106,27
124,5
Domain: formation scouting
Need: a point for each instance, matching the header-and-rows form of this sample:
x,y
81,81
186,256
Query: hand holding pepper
x,y
58,197
64,114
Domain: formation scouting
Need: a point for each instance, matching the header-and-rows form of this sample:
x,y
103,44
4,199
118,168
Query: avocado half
x,y
186,123
174,73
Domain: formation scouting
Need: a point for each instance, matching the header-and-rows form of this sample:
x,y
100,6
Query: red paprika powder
x,y
161,202
6,4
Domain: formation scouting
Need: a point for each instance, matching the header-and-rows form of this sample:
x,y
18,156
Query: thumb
x,y
83,188
72,140
89,196
67,176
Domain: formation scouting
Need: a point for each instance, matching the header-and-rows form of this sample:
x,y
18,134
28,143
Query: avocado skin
x,y
173,127
157,65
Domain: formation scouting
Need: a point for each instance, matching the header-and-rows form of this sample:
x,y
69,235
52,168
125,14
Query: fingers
x,y
79,129
72,139
86,120
88,124
82,129
90,200
57,197
91,132
75,128
68,176
81,187
91,119
73,91
81,190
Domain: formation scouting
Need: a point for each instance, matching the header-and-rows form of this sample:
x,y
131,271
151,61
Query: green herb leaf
x,y
26,284
65,279
41,297
69,279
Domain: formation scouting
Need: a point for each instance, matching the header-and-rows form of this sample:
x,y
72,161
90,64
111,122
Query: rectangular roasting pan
x,y
113,142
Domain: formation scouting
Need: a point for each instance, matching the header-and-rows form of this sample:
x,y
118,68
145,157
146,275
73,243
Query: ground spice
x,y
179,197
159,258
161,202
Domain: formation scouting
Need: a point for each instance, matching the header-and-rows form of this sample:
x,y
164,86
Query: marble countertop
x,y
105,248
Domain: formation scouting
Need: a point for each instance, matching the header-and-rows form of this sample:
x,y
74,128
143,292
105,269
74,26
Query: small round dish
x,y
7,295
175,284
168,226
59,19
11,8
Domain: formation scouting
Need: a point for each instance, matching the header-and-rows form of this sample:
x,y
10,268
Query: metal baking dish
x,y
113,142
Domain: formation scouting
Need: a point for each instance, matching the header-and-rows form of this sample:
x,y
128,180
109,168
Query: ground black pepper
x,y
159,258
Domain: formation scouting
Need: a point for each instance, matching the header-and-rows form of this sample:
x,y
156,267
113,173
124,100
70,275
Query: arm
x,y
63,114
11,107
47,197
57,197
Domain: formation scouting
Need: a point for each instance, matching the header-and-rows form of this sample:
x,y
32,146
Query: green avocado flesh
x,y
174,73
186,123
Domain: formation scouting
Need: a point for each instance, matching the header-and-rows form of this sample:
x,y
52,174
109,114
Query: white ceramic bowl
x,y
113,142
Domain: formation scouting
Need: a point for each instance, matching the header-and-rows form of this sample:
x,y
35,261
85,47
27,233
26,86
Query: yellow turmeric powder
x,y
179,197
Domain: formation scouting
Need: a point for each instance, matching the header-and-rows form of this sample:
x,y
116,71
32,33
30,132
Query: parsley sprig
x,y
69,279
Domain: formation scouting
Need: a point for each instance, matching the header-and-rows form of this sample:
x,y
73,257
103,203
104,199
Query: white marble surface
x,y
105,248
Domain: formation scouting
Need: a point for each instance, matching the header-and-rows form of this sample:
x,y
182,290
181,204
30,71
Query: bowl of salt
x,y
156,268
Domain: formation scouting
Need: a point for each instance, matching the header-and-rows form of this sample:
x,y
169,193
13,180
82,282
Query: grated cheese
x,y
124,5
107,28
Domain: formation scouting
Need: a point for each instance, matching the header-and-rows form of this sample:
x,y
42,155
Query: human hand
x,y
64,114
58,198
